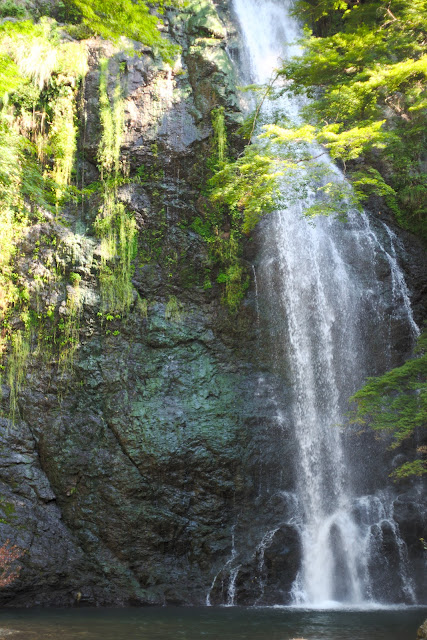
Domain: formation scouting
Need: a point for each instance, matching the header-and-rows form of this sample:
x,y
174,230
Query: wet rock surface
x,y
124,474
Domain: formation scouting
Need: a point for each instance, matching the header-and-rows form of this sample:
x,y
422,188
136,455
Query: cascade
x,y
320,297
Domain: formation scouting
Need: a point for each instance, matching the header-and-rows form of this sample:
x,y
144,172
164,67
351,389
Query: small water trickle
x,y
209,593
256,293
231,592
266,541
227,568
401,297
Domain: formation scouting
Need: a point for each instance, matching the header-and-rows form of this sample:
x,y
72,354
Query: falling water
x,y
322,300
232,572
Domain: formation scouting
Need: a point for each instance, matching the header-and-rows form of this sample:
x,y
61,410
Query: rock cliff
x,y
141,472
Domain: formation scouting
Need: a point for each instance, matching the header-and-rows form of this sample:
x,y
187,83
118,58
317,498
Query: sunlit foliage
x,y
38,140
41,70
365,67
113,19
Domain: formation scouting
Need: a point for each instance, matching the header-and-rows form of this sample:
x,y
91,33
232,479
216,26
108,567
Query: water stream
x,y
322,302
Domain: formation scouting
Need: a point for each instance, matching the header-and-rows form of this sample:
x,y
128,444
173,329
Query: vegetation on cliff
x,y
112,19
44,195
39,83
114,225
396,403
41,75
221,226
363,66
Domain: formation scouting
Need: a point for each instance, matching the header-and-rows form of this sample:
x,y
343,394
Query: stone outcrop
x,y
422,631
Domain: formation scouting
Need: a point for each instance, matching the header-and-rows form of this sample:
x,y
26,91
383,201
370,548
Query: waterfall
x,y
321,299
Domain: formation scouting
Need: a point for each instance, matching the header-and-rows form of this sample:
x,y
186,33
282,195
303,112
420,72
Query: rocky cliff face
x,y
135,473
124,473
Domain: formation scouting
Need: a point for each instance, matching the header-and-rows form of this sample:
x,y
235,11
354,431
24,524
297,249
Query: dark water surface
x,y
209,624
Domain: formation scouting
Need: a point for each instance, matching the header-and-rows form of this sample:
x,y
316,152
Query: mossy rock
x,y
205,19
212,56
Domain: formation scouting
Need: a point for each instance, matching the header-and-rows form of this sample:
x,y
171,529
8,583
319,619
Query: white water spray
x,y
319,308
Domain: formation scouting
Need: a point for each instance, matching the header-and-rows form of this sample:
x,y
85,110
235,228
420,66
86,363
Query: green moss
x,y
7,512
39,52
69,329
18,176
37,145
142,307
63,138
112,123
75,279
117,230
10,77
204,18
220,134
174,310
16,370
12,9
221,224
114,225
